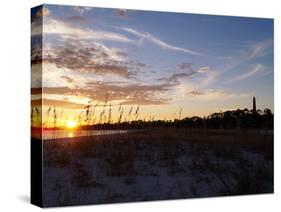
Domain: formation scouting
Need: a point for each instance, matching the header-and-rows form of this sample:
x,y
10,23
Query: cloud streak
x,y
260,49
209,94
68,30
158,41
252,72
187,71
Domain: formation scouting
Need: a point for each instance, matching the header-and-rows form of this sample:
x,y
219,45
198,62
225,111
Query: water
x,y
55,134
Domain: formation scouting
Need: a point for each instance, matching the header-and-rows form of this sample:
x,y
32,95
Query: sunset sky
x,y
160,61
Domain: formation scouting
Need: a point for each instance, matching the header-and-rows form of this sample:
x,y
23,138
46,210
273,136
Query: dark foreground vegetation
x,y
157,163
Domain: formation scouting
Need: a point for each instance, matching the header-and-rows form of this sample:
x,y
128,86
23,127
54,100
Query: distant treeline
x,y
224,120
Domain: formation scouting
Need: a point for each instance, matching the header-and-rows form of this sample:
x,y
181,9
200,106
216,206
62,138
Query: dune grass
x,y
179,163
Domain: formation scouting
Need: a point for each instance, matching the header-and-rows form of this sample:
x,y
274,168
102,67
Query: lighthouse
x,y
254,105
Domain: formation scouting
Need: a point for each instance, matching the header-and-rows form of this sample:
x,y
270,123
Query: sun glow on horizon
x,y
70,124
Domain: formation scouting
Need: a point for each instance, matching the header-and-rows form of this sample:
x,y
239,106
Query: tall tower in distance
x,y
254,105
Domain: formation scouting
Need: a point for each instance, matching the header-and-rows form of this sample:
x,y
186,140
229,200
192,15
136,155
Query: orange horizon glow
x,y
71,124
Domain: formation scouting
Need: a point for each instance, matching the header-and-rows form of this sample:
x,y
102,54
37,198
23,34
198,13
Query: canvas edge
x,y
36,188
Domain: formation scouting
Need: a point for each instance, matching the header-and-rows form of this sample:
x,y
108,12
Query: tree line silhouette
x,y
223,120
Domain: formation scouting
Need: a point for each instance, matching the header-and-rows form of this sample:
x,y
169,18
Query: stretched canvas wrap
x,y
130,105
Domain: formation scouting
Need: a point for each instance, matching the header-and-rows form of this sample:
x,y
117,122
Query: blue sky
x,y
161,61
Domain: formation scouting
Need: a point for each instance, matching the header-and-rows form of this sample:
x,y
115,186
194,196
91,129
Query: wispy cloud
x,y
210,94
252,52
249,55
67,30
174,78
184,66
158,41
189,72
260,49
125,93
82,10
76,19
57,103
252,72
91,58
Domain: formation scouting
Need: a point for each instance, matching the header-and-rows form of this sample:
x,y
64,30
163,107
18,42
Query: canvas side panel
x,y
36,105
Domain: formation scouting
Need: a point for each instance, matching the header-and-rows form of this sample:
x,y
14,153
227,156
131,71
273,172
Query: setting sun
x,y
71,124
